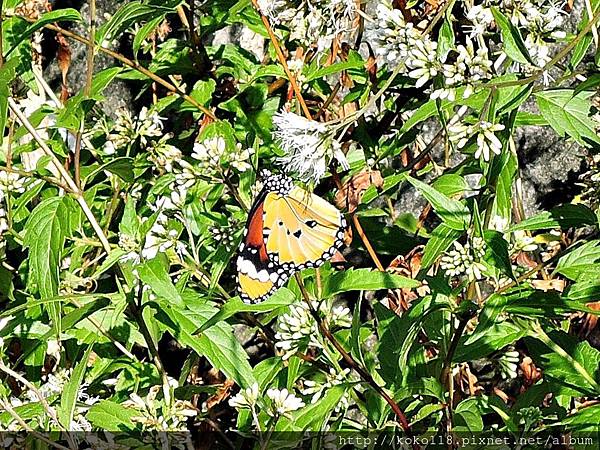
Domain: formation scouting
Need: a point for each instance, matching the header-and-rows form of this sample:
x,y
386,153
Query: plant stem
x,y
364,374
63,173
49,410
129,63
86,90
7,406
24,173
282,60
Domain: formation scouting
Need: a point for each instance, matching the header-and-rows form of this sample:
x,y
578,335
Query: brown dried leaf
x,y
590,321
525,260
221,394
352,191
337,259
408,266
531,374
64,61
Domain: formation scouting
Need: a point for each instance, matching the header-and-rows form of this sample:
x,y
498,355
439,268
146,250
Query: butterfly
x,y
288,229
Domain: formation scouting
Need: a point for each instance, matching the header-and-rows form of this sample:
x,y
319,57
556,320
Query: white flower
x,y
239,159
313,21
508,363
422,60
318,389
308,146
224,236
131,248
487,142
160,239
465,259
209,151
246,398
283,402
391,36
469,68
481,19
298,328
164,155
12,182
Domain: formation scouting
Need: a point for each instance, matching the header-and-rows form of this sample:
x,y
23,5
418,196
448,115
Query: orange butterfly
x,y
288,229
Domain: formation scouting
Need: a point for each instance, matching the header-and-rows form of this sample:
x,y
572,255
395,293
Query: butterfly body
x,y
288,229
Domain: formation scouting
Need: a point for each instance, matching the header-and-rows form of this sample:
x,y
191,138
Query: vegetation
x,y
461,319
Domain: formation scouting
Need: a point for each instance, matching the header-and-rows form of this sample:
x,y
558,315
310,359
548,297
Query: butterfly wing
x,y
258,275
302,229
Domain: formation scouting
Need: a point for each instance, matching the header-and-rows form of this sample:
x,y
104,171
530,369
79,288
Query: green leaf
x,y
68,397
467,417
451,184
7,75
155,275
497,251
502,174
282,297
110,416
574,365
45,233
454,214
563,217
514,46
102,80
313,416
217,344
59,15
121,166
144,31
441,239
495,337
131,13
365,279
586,419
203,91
568,114
583,260
585,290
334,68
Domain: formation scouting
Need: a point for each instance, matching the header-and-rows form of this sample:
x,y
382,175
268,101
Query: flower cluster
x,y
317,388
246,398
297,329
470,67
313,22
281,401
156,415
540,21
127,129
161,238
465,259
402,46
212,153
309,146
225,235
484,132
53,385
